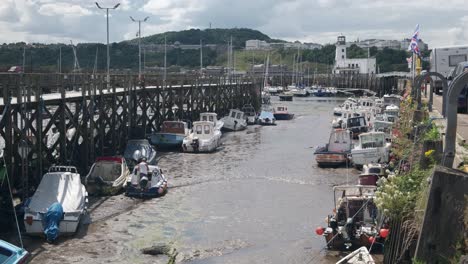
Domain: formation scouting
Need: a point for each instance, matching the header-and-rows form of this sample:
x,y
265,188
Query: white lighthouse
x,y
340,54
353,66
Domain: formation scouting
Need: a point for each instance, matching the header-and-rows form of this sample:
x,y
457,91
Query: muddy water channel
x,y
258,199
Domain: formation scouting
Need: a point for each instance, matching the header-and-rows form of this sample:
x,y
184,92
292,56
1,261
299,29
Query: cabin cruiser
x,y
371,173
281,113
213,118
57,206
349,104
250,114
391,99
203,138
336,152
392,113
235,121
171,136
357,125
354,218
152,185
266,118
143,148
373,147
107,175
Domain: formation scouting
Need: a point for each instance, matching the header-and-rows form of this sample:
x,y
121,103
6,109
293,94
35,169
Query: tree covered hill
x,y
124,55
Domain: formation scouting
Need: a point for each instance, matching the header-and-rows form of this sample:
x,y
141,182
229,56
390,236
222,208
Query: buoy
x,y
371,239
319,230
384,233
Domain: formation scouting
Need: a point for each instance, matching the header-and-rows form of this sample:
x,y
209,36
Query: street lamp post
x,y
139,43
108,57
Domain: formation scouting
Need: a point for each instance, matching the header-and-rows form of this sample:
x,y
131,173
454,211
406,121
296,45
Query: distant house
x,y
15,69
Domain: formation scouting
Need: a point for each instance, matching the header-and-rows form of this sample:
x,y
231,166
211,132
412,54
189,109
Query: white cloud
x,y
443,22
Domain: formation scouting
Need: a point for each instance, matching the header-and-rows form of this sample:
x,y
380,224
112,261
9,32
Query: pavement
x,y
462,128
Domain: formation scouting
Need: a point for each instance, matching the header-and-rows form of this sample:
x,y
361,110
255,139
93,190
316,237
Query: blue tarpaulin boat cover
x,y
52,220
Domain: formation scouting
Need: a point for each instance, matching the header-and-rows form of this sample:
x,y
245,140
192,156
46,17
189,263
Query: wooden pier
x,y
92,118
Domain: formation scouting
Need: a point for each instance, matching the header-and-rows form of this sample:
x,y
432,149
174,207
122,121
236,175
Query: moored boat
x,y
11,254
336,152
57,206
203,138
152,185
359,256
107,176
372,148
250,114
141,148
266,118
353,222
171,136
213,118
371,173
281,113
286,96
234,121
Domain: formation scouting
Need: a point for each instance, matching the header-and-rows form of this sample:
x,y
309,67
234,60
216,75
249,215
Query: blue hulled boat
x,y
171,136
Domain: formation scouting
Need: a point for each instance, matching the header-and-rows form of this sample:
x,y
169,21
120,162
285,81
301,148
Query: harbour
x,y
263,192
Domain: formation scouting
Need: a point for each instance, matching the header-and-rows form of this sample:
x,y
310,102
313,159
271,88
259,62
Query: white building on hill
x,y
343,64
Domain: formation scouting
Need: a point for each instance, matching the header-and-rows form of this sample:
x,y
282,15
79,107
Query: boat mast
x,y
201,56
265,81
165,59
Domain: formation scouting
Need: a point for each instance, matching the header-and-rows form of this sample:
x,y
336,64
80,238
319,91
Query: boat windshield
x,y
5,254
356,122
173,127
107,170
374,170
145,149
372,140
280,108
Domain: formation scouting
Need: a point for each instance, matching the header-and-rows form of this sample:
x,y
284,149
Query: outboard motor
x,y
195,144
144,182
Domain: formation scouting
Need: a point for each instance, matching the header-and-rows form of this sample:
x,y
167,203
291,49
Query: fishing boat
x,y
359,256
171,136
349,104
286,96
203,138
372,148
391,99
60,188
149,186
336,152
139,148
11,254
357,125
392,112
281,113
266,118
235,121
213,118
107,176
371,173
353,222
250,114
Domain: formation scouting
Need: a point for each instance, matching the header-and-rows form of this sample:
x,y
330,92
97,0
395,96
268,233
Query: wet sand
x,y
258,199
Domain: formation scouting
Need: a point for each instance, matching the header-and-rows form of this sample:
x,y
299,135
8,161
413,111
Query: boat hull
x,y
167,140
329,159
283,116
286,97
66,227
132,191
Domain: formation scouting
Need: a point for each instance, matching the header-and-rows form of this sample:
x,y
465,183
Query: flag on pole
x,y
413,46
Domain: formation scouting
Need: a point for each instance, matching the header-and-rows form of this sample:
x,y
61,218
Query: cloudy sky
x,y
442,22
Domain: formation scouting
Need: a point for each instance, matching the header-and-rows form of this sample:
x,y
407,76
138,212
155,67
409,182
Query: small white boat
x,y
150,186
250,114
107,175
203,138
62,184
300,92
266,118
271,89
372,148
213,118
359,256
235,121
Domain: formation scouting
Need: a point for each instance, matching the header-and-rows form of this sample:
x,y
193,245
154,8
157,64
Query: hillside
x,y
208,36
124,55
